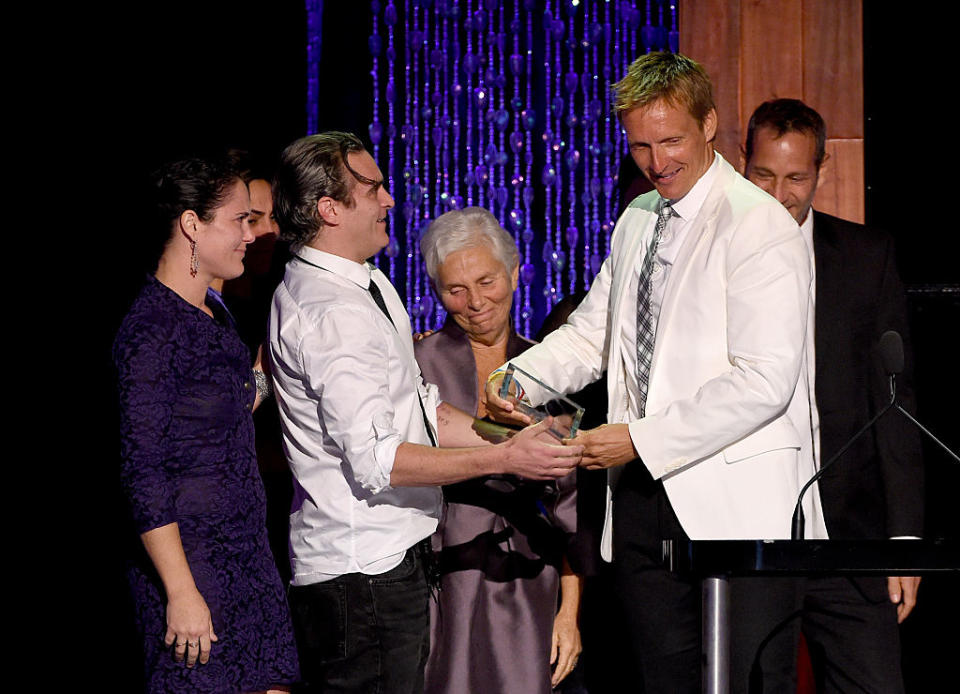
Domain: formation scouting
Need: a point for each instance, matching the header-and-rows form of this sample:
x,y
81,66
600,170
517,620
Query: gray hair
x,y
467,228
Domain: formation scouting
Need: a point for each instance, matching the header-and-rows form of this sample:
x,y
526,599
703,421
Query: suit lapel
x,y
697,233
636,240
828,264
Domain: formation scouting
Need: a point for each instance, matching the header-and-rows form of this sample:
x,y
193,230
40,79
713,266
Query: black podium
x,y
714,561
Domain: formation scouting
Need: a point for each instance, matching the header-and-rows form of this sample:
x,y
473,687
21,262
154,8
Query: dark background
x,y
149,84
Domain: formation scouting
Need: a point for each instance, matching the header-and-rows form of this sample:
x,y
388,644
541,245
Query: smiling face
x,y
477,291
671,149
786,167
364,223
222,242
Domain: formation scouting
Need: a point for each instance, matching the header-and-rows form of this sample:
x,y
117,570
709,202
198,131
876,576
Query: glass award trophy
x,y
565,412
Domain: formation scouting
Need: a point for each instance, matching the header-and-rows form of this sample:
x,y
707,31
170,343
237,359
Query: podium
x,y
715,561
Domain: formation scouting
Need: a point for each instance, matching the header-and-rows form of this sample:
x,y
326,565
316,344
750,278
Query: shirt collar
x,y
689,205
358,273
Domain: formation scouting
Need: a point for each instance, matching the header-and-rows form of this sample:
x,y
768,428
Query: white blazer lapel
x,y
639,221
699,233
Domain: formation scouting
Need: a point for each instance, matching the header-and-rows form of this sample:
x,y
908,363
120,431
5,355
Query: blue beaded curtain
x,y
314,37
506,105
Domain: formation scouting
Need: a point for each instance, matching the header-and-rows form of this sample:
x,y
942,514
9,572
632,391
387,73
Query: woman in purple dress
x,y
209,601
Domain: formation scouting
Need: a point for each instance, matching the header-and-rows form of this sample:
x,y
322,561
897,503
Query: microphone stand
x,y
796,527
927,432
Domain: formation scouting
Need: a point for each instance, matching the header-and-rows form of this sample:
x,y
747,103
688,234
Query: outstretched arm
x,y
528,453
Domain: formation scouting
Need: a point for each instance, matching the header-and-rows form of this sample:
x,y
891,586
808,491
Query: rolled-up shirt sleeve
x,y
345,359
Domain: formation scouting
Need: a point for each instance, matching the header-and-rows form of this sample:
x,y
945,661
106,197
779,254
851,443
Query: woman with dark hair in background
x,y
504,542
209,602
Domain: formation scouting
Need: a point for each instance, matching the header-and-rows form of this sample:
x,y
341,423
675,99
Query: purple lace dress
x,y
186,391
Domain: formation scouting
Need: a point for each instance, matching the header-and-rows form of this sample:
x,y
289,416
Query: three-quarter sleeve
x,y
145,380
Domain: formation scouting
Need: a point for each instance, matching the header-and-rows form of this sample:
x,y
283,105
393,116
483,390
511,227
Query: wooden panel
x,y
841,191
757,50
771,52
716,50
833,64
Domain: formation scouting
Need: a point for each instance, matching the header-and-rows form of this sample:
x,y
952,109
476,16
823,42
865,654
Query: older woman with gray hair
x,y
502,542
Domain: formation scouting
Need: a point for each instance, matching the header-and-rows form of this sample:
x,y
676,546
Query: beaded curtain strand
x,y
314,36
539,148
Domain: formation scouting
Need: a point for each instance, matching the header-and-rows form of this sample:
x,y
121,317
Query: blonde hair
x,y
670,76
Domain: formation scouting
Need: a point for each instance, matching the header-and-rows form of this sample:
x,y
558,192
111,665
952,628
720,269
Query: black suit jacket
x,y
876,489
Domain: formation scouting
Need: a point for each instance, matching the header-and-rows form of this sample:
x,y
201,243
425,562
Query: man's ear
x,y
824,168
514,275
742,161
329,211
709,125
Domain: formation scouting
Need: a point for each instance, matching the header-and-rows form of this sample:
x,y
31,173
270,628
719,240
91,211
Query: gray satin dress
x,y
501,542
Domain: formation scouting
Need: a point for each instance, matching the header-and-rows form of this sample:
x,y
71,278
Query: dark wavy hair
x,y
788,116
311,168
251,165
198,184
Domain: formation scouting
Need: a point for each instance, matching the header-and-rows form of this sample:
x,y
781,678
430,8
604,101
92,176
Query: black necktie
x,y
378,298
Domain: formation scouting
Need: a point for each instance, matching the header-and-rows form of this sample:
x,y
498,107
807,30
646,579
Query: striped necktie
x,y
646,329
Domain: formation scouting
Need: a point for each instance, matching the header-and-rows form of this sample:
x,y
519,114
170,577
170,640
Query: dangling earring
x,y
194,261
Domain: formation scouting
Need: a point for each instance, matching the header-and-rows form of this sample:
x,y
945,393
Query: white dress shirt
x,y
685,210
347,387
806,228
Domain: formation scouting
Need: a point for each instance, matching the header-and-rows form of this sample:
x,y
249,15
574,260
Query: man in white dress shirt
x,y
360,430
698,318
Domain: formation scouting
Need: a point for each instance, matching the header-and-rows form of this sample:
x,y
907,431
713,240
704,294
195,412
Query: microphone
x,y
891,353
891,356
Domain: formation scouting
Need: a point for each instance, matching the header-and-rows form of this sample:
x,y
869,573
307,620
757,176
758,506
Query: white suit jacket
x,y
727,423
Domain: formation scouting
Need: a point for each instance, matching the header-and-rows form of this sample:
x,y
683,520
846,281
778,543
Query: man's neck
x,y
320,243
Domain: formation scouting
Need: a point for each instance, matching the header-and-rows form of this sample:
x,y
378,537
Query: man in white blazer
x,y
698,317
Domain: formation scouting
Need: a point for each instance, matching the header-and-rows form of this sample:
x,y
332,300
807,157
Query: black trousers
x,y
364,634
663,609
849,623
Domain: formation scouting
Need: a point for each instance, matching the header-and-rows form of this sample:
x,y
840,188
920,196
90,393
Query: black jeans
x,y
360,633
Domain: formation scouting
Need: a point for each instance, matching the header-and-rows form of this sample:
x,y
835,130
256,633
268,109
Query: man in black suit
x,y
875,490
